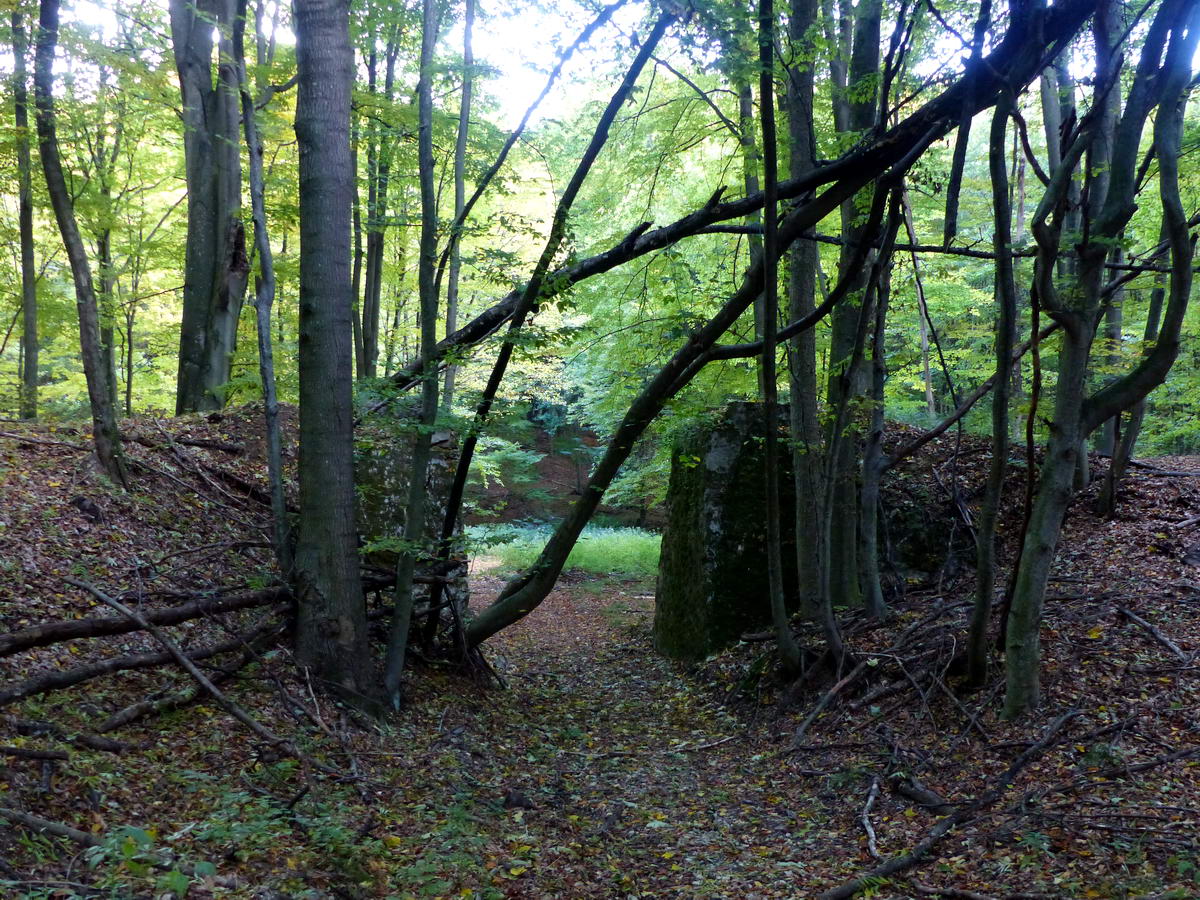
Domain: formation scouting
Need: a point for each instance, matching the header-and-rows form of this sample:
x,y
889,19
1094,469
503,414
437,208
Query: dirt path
x,y
617,776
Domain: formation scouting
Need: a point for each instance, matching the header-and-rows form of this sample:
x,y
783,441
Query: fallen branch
x,y
865,818
34,753
897,864
260,731
1155,633
50,681
825,701
78,740
45,826
156,705
73,629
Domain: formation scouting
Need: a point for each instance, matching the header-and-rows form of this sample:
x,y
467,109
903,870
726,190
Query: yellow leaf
x,y
518,870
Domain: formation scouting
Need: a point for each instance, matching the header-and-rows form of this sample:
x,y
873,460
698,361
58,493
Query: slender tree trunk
x,y
264,298
963,139
216,266
414,513
378,174
1006,321
332,623
1106,503
874,460
460,193
807,443
29,305
360,358
789,651
1106,436
104,419
860,111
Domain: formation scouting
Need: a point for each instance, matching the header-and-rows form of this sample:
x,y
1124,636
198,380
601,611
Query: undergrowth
x,y
600,551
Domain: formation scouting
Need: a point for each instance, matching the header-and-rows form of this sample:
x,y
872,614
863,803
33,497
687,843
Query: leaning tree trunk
x,y
104,417
216,267
264,299
331,624
29,306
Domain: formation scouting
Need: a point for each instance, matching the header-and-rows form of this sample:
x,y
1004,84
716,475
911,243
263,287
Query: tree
x,y
331,635
1075,298
216,267
105,433
29,309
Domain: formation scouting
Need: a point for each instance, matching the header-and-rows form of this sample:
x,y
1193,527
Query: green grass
x,y
631,552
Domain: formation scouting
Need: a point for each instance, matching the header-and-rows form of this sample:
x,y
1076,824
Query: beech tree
x,y
29,309
105,433
216,268
331,635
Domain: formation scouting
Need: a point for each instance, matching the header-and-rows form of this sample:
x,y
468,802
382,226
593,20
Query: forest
x,y
671,448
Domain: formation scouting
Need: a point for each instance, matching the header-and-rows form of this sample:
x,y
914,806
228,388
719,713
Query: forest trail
x,y
640,782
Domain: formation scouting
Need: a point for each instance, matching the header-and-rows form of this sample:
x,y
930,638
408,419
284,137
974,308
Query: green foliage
x,y
629,552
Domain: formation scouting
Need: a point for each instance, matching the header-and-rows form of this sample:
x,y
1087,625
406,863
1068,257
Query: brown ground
x,y
602,770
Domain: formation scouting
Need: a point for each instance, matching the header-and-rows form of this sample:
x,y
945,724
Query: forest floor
x,y
600,770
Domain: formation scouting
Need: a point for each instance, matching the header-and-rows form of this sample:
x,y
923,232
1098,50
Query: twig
x,y
1155,633
25,439
34,753
944,826
37,823
865,818
180,657
824,702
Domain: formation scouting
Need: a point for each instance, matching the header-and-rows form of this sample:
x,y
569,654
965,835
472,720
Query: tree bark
x,y
216,267
332,624
807,442
104,419
460,194
1006,302
414,512
29,305
264,299
789,651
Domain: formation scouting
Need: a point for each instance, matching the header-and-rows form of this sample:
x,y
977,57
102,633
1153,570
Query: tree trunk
x,y
379,155
1106,503
414,513
331,623
1111,189
460,194
807,442
264,298
216,266
29,305
104,419
860,111
1006,321
789,651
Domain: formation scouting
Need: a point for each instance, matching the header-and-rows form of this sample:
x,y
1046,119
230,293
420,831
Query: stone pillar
x,y
712,577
